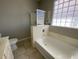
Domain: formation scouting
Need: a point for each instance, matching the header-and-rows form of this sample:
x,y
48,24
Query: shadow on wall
x,y
19,28
19,33
14,19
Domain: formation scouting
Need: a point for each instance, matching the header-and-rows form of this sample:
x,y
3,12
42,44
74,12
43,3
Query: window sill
x,y
65,27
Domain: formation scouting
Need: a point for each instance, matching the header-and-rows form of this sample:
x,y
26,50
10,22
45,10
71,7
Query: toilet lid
x,y
13,41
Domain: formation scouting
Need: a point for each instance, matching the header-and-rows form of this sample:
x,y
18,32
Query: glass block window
x,y
65,13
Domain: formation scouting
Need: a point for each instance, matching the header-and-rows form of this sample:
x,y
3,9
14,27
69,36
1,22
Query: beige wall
x,y
15,17
70,32
48,5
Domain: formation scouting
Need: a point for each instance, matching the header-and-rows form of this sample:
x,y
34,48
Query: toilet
x,y
13,42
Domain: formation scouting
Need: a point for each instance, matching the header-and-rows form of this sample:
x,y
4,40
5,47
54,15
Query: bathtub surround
x,y
70,32
38,32
53,45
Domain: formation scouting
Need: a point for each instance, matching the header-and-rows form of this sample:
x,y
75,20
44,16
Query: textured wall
x,y
15,18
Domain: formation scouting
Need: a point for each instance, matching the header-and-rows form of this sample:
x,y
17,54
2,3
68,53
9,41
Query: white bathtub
x,y
55,48
53,45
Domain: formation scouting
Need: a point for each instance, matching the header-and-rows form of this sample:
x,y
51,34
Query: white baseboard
x,y
24,39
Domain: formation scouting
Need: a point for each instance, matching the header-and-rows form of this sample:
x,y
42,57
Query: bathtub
x,y
52,48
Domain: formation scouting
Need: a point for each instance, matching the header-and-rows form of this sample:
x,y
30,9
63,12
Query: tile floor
x,y
26,51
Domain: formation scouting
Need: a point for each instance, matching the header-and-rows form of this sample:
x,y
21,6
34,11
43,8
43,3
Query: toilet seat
x,y
13,42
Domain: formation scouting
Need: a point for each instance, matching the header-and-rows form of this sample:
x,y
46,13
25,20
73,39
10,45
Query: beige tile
x,y
30,51
26,51
19,51
23,56
36,55
27,44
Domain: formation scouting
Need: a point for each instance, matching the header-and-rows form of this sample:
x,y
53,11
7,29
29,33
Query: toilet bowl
x,y
13,42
